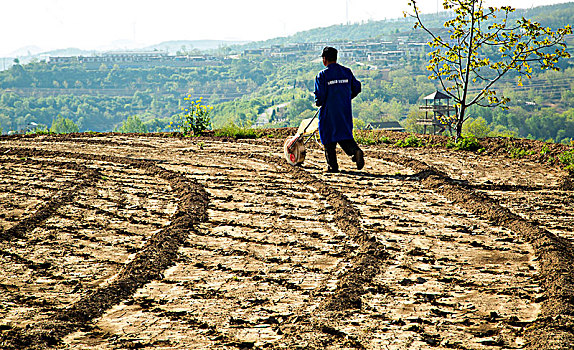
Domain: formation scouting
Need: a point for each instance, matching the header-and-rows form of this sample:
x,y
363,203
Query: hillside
x,y
202,45
553,16
242,86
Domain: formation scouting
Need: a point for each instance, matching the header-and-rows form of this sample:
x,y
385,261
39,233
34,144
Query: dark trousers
x,y
349,146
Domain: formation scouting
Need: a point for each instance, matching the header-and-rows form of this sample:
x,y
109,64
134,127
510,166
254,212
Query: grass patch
x,y
237,131
39,132
517,152
370,138
410,141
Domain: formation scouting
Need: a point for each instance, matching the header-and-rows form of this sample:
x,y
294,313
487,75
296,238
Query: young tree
x,y
483,46
477,127
132,124
62,125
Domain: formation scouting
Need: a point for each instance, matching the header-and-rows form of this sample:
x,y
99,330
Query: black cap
x,y
330,53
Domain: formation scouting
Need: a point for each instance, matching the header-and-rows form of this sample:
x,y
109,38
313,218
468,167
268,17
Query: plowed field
x,y
119,242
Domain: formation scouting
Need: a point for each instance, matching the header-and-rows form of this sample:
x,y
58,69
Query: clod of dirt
x,y
568,182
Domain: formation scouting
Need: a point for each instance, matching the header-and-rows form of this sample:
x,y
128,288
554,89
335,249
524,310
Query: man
x,y
335,87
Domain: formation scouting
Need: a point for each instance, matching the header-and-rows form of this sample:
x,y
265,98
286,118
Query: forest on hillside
x,y
242,90
549,16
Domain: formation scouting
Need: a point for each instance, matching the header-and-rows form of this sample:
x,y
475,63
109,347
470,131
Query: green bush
x,y
567,158
132,124
467,142
477,127
410,141
195,119
39,129
63,125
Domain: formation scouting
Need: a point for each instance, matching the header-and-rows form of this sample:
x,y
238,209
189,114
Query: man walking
x,y
335,87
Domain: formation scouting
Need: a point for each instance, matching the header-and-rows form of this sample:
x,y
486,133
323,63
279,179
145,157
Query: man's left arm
x,y
355,86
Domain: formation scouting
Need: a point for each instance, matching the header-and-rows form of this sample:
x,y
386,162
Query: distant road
x,y
47,92
263,118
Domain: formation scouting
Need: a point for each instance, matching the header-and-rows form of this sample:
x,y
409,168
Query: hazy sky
x,y
52,24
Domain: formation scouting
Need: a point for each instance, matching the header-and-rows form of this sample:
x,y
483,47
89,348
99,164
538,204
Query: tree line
x,y
390,94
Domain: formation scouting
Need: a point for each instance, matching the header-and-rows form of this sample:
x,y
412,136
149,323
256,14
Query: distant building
x,y
136,59
438,115
62,60
381,53
378,53
253,52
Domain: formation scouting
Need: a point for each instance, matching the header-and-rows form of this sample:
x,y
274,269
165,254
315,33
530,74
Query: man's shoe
x,y
359,159
331,171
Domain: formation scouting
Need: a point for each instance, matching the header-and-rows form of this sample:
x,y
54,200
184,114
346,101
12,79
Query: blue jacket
x,y
335,86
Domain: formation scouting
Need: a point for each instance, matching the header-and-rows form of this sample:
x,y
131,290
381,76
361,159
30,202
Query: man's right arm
x,y
320,90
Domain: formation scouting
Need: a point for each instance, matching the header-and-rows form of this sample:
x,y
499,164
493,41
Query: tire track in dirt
x,y
22,192
148,264
284,260
426,295
308,247
274,254
554,328
550,208
368,258
85,178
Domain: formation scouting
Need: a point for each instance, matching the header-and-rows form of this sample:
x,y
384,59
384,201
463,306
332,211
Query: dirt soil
x,y
136,241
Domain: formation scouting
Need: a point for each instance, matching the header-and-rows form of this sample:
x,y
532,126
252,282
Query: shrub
x,y
63,125
39,132
410,141
478,127
39,129
467,142
195,119
567,158
132,124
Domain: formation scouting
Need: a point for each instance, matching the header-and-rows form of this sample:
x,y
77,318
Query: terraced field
x,y
115,242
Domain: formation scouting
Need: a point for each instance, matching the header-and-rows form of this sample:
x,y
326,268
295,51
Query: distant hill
x,y
203,45
30,53
26,51
72,51
552,16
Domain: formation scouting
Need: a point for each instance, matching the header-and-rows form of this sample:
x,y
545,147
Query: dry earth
x,y
118,242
